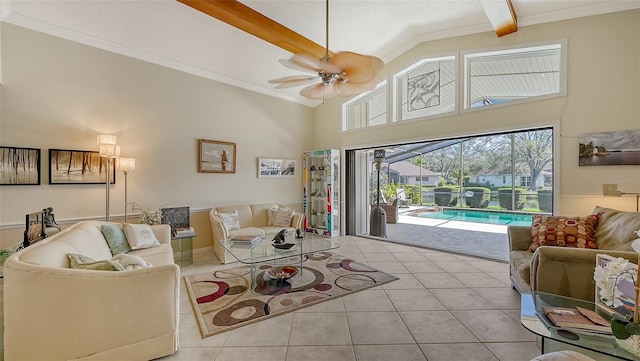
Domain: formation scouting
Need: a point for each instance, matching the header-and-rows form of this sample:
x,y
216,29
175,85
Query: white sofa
x,y
253,222
53,312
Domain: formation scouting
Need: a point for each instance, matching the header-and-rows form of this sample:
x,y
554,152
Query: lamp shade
x,y
109,150
106,139
126,164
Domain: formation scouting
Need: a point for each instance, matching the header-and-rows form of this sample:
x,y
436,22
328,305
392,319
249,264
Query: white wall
x,y
603,95
61,94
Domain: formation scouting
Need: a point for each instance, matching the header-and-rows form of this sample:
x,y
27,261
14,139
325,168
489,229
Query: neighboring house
x,y
521,179
408,173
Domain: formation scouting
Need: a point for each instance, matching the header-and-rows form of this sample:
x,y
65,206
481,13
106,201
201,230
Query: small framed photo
x,y
19,166
79,167
276,168
216,157
624,290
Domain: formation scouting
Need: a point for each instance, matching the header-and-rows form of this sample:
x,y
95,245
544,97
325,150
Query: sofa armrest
x,y
519,237
569,271
105,310
162,232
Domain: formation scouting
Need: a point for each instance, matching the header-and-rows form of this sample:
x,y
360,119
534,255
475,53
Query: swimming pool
x,y
503,218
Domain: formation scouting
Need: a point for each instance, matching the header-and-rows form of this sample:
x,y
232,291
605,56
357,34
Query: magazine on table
x,y
577,318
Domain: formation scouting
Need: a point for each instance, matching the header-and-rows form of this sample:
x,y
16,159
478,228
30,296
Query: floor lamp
x,y
108,149
126,165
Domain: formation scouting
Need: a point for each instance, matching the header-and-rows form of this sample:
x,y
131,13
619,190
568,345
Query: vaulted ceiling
x,y
172,34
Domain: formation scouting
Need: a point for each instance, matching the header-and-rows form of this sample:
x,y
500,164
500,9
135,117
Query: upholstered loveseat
x,y
253,220
569,271
54,312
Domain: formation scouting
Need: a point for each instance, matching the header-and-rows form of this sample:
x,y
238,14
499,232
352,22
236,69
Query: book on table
x,y
577,318
245,239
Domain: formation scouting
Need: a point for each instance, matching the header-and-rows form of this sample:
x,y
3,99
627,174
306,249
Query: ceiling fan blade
x,y
320,91
358,68
294,81
296,66
310,62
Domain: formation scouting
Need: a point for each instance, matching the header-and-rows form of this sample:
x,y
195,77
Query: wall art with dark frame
x,y
610,148
19,166
216,157
78,167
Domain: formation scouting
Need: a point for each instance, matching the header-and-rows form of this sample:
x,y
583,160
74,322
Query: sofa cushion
x,y
616,229
86,262
283,217
231,220
117,241
247,231
563,231
520,263
245,214
140,236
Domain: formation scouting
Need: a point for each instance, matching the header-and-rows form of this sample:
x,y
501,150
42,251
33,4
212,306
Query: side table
x,y
182,250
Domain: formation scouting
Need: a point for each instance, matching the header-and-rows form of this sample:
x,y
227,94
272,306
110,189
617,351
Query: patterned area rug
x,y
223,300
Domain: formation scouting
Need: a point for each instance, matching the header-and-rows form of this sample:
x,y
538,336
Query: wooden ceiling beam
x,y
501,15
246,19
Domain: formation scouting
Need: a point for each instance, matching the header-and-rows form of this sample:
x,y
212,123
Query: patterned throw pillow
x,y
283,217
117,241
578,232
140,236
230,220
271,215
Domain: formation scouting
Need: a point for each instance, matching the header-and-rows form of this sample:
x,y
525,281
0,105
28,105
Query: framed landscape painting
x,y
216,157
610,148
79,167
276,168
19,166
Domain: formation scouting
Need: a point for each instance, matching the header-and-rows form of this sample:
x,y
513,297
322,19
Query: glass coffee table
x,y
263,253
533,319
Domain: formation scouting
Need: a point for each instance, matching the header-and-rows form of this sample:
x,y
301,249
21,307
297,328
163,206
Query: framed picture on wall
x,y
276,168
216,157
79,167
610,148
19,166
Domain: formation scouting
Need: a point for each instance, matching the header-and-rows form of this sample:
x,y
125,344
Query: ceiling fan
x,y
344,73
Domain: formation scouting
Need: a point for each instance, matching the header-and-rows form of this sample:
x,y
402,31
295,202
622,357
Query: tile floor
x,y
444,307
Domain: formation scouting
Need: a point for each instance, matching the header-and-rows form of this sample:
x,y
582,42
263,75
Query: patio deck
x,y
476,239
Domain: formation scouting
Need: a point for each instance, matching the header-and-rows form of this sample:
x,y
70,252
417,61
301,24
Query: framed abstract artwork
x,y
79,167
19,166
276,168
216,157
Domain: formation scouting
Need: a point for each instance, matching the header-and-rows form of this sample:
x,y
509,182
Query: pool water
x,y
503,218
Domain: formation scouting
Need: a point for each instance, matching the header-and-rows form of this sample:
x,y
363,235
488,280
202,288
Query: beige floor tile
x,y
354,255
477,279
190,354
335,305
461,351
504,298
378,328
409,256
441,256
190,335
252,354
438,280
379,256
368,300
314,329
320,353
389,267
436,327
261,333
370,248
421,267
414,300
461,299
456,266
493,326
397,248
490,266
405,281
502,277
388,353
515,351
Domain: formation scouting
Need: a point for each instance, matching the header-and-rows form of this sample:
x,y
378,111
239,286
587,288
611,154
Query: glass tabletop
x,y
264,250
534,320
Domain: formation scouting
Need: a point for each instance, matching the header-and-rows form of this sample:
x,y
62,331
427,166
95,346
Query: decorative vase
x,y
631,344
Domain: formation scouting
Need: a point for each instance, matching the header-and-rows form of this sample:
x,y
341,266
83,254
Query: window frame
x,y
362,98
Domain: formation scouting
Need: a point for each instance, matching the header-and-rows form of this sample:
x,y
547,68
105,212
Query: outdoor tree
x,y
534,149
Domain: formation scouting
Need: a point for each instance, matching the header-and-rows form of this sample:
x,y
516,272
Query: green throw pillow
x,y
116,238
85,262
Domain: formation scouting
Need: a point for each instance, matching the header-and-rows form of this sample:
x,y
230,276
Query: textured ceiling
x,y
169,33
